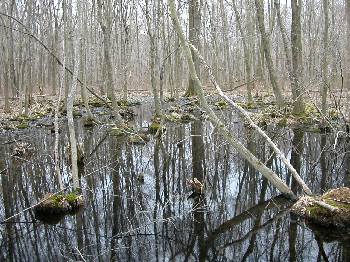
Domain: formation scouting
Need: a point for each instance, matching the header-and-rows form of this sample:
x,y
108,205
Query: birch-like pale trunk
x,y
245,115
58,106
241,149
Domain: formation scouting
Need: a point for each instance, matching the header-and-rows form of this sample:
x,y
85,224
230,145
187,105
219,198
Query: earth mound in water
x,y
337,215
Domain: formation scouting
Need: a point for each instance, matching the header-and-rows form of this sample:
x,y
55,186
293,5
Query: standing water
x,y
139,206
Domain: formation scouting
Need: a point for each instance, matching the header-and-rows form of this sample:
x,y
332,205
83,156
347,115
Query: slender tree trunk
x,y
325,57
347,74
226,43
297,51
105,20
14,83
267,51
247,60
70,102
57,109
194,29
284,40
153,54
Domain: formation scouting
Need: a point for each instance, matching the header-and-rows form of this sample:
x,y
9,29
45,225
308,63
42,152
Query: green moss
x,y
22,125
316,211
282,122
222,104
333,114
154,127
338,204
72,197
123,103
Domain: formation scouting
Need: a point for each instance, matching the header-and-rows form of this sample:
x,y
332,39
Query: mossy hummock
x,y
60,203
310,209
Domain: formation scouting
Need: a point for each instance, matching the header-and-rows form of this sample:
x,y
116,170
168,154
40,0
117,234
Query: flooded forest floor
x,y
142,201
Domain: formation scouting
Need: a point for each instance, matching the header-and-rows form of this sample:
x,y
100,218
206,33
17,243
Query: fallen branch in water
x,y
232,140
245,115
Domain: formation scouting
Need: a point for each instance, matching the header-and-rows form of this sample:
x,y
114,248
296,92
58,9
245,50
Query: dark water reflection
x,y
240,218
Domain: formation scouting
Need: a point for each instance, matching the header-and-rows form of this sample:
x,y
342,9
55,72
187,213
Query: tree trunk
x,y
257,164
153,55
325,58
297,71
105,21
194,30
284,40
70,103
247,60
347,74
267,51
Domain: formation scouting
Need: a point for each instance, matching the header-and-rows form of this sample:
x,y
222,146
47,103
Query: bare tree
x,y
348,43
265,41
70,102
194,30
153,51
247,60
297,62
105,17
325,57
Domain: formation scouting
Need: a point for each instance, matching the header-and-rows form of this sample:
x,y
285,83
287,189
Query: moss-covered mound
x,y
337,215
59,204
121,130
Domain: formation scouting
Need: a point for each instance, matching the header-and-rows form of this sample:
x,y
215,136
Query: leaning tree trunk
x,y
297,62
256,163
267,51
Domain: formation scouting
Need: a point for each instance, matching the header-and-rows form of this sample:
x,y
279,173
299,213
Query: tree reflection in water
x,y
239,218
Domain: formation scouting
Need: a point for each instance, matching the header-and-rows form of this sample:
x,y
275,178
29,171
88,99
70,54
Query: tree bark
x,y
153,55
105,21
297,51
267,51
194,29
325,58
347,75
70,103
247,60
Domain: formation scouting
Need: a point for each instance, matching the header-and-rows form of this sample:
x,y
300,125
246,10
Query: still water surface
x,y
137,198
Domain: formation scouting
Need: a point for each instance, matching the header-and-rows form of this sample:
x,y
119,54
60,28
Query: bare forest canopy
x,y
122,35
